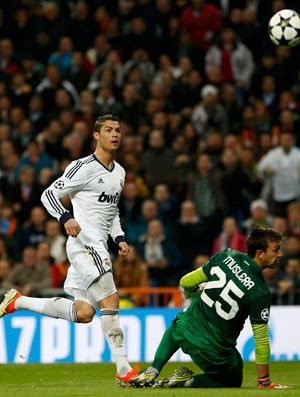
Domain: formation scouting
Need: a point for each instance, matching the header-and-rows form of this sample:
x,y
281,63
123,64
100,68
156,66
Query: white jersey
x,y
94,191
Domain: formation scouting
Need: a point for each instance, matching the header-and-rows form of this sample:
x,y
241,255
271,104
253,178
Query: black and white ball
x,y
284,28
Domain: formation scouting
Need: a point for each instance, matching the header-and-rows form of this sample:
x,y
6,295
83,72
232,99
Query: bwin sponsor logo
x,y
109,198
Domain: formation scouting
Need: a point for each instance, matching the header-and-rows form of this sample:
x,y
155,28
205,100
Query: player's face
x,y
272,255
109,137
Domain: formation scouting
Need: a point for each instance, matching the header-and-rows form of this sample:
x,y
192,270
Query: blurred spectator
x,y
191,235
161,255
272,277
267,67
17,115
130,204
106,102
20,90
141,58
29,275
8,221
233,108
281,166
230,237
287,122
200,260
24,194
45,177
32,68
139,37
167,204
62,57
51,21
251,32
293,218
25,135
82,26
80,71
50,140
58,269
33,231
281,225
201,20
234,59
48,86
209,114
259,215
5,251
186,92
290,249
7,176
56,239
132,104
203,186
269,95
248,162
264,144
36,113
34,157
8,61
157,161
235,185
41,46
137,225
5,270
131,271
111,61
289,284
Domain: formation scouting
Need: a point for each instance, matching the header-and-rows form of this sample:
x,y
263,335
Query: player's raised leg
x,y
58,307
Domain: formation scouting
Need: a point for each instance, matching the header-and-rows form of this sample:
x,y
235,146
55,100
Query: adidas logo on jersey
x,y
101,180
109,198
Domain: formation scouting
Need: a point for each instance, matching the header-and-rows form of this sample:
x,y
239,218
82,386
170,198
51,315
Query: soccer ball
x,y
284,28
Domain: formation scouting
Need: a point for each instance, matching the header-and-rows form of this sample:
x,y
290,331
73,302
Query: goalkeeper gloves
x,y
265,383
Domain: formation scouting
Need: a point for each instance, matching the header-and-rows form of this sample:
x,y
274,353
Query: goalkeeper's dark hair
x,y
100,120
260,237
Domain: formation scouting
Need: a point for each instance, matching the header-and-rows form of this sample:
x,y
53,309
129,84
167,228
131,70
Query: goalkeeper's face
x,y
271,256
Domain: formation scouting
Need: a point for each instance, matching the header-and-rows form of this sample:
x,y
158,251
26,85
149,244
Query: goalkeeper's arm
x,y
262,357
190,282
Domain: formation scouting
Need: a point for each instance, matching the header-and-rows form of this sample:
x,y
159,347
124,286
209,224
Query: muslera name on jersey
x,y
239,272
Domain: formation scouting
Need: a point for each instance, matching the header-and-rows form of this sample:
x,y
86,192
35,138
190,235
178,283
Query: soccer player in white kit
x,y
94,184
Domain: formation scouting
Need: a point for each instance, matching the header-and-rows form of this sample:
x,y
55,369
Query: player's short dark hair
x,y
100,120
260,237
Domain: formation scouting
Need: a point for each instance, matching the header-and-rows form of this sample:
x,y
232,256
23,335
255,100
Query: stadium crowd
x,y
210,117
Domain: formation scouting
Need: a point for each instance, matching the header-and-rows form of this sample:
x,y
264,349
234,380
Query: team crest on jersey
x,y
59,184
265,314
121,183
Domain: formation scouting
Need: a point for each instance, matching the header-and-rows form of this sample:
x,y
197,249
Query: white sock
x,y
51,307
114,335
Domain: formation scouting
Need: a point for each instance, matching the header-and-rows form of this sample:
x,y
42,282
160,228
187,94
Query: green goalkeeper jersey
x,y
235,289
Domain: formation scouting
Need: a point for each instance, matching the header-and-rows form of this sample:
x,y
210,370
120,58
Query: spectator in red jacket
x,y
230,237
201,21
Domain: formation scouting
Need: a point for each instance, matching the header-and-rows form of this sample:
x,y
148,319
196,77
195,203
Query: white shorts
x,y
87,266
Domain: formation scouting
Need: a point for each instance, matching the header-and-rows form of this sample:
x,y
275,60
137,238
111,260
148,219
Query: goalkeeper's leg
x,y
167,347
218,376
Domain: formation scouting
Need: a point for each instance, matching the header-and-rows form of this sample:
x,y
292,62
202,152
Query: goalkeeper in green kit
x,y
208,329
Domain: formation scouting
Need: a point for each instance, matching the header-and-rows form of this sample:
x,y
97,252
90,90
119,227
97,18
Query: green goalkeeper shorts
x,y
221,371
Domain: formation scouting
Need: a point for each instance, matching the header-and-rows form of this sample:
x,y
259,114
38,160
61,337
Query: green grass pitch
x,y
89,380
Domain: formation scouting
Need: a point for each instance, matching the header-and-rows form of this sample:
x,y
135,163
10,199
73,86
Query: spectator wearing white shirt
x,y
280,167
